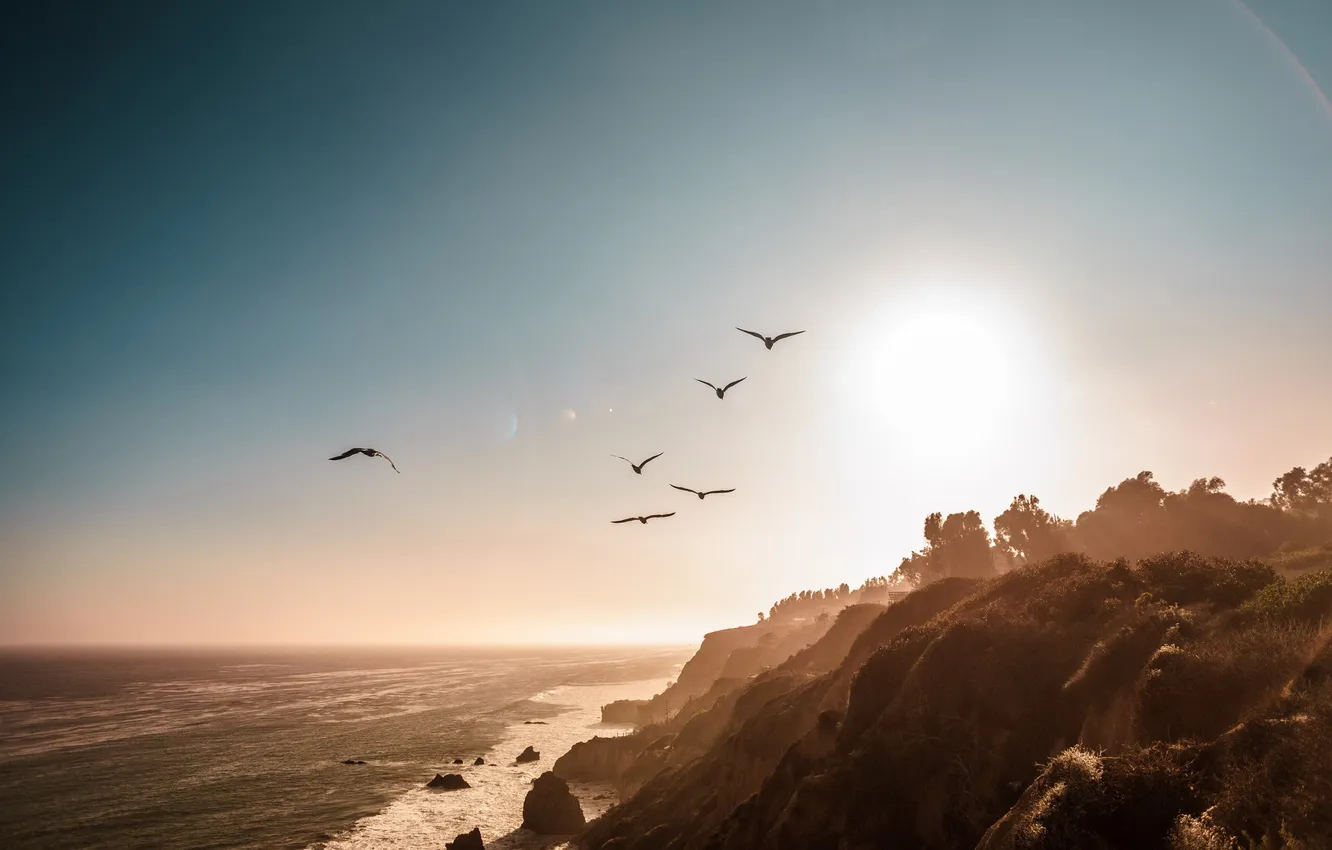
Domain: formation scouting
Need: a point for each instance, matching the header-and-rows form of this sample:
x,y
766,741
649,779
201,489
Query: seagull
x,y
769,340
638,467
642,519
721,393
367,453
702,493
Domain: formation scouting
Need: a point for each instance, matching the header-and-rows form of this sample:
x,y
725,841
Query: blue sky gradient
x,y
241,237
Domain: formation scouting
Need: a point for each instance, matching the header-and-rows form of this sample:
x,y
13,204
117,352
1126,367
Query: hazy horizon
x,y
1035,249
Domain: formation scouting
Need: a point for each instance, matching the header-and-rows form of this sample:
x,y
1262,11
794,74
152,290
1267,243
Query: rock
x,y
600,759
479,760
630,711
448,782
352,761
467,841
528,754
534,723
457,761
550,809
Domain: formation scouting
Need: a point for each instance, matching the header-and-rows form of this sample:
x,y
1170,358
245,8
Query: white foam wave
x,y
422,819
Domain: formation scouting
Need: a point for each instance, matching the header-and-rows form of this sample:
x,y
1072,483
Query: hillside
x,y
1071,703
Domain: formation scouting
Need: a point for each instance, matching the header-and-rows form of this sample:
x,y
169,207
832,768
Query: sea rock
x,y
534,723
467,841
352,761
479,760
550,809
528,754
448,782
457,761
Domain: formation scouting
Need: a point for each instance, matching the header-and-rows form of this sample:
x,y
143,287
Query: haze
x,y
1037,247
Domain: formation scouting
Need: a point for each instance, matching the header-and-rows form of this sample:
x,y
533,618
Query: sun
x,y
943,379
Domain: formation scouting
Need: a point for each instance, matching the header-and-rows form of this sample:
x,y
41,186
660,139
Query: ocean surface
x,y
211,749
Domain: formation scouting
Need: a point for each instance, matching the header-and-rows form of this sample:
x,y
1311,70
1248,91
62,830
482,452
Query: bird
x,y
642,519
721,393
368,453
702,493
769,340
638,467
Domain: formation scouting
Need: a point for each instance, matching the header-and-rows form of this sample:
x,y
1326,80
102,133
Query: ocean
x,y
244,748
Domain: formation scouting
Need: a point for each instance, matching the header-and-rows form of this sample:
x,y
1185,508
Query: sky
x,y
1036,247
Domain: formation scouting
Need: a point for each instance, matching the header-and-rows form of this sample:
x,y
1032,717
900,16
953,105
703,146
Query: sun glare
x,y
943,379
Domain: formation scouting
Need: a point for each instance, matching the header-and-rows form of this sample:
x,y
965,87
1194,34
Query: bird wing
x,y
733,383
347,453
686,489
649,460
625,459
390,460
710,492
701,381
626,519
751,333
659,516
784,336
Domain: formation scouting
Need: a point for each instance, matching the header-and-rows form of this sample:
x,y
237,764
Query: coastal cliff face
x,y
968,714
730,654
731,657
724,755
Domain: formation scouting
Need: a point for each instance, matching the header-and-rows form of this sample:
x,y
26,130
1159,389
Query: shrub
x,y
1202,688
1085,800
1200,833
1185,578
1307,599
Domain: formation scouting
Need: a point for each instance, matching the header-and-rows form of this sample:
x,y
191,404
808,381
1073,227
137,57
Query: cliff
x,y
731,654
1073,703
684,721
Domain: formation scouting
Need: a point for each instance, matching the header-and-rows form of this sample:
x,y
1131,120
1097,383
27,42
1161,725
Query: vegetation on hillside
x,y
1157,673
1134,519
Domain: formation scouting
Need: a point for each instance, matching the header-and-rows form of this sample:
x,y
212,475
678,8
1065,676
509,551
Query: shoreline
x,y
560,717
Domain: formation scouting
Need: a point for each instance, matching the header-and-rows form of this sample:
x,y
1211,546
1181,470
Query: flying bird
x,y
642,519
638,467
721,393
769,340
702,493
368,453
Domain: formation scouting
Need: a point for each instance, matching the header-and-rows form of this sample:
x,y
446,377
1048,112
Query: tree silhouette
x,y
1026,532
958,545
1305,491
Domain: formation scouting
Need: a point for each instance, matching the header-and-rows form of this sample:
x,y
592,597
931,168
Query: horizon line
x,y
8,647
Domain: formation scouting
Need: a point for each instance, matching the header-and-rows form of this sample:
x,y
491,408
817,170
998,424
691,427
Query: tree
x,y
1127,520
958,545
964,546
1305,491
1027,533
761,617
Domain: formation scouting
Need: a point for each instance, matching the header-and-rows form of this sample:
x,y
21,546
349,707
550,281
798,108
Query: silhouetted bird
x,y
769,340
367,453
642,519
638,467
702,493
721,393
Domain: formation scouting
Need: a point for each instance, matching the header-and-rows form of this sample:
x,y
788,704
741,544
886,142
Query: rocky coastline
x,y
1163,703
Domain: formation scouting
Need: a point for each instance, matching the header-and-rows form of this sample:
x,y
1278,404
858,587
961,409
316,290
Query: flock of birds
x,y
768,342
